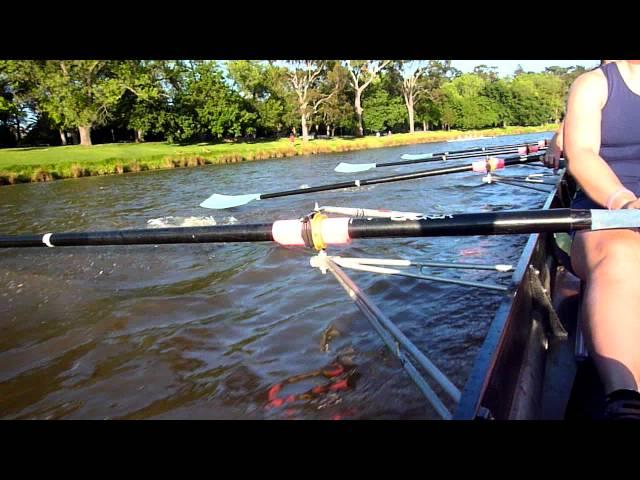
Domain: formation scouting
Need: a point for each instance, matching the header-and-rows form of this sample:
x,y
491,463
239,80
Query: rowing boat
x,y
466,139
533,364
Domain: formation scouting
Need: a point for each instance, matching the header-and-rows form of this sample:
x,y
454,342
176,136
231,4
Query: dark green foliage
x,y
382,110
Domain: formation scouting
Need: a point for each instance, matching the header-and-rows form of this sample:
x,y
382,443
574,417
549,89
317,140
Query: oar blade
x,y
354,167
419,156
220,202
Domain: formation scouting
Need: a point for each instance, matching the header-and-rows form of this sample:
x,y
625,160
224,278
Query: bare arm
x,y
555,148
582,142
558,138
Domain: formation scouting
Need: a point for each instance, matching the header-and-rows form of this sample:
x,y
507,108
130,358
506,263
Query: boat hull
x,y
526,367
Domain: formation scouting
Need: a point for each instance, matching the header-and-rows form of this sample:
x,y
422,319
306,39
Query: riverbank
x,y
41,164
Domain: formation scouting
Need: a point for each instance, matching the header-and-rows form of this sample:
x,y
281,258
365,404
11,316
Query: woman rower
x,y
602,146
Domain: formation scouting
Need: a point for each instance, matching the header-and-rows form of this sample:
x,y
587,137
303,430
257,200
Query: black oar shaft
x,y
496,223
220,233
396,178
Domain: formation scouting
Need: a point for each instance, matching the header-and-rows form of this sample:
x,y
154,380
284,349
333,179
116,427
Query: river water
x,y
205,331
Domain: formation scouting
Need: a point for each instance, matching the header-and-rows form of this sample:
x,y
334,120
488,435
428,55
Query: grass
x,y
39,164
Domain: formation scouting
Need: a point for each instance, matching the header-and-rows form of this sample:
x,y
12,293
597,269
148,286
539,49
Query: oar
x,y
365,212
218,201
500,267
355,264
513,183
341,230
522,149
393,338
419,156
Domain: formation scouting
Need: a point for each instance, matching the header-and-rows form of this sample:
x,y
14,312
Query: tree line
x,y
102,101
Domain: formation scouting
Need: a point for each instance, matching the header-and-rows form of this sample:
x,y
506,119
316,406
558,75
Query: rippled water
x,y
205,331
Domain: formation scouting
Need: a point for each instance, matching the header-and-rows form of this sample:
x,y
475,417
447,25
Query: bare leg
x,y
609,263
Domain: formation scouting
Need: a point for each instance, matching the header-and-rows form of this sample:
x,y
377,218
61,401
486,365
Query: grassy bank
x,y
40,164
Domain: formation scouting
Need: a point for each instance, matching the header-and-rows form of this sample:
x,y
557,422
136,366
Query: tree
x,y
501,94
411,88
422,80
77,93
383,110
7,112
466,106
429,103
428,112
249,78
83,94
477,112
449,113
204,105
142,116
362,73
529,106
337,111
488,74
550,90
266,88
306,78
144,81
16,103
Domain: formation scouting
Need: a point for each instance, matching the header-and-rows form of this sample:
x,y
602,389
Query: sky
x,y
507,67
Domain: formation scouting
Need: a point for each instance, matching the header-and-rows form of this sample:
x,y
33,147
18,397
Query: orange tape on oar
x,y
340,378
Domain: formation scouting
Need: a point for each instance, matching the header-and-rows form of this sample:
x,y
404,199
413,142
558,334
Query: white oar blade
x,y
419,156
354,167
220,202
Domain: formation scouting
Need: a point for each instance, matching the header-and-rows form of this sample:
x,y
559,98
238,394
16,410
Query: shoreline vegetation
x,y
42,164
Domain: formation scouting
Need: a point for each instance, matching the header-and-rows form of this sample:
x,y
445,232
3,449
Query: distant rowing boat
x,y
468,139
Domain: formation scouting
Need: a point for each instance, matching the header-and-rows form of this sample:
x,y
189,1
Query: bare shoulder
x,y
590,85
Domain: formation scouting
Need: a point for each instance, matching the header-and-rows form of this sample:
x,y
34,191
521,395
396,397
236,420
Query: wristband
x,y
616,194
